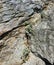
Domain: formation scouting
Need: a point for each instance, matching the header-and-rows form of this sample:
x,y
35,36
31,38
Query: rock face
x,y
26,32
42,38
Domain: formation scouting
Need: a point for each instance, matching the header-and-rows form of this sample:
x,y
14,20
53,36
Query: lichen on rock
x,y
26,32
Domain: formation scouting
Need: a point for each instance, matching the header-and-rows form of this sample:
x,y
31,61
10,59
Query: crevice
x,y
6,33
45,60
38,10
19,25
42,58
2,46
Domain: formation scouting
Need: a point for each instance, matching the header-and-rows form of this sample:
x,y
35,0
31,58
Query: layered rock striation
x,y
26,32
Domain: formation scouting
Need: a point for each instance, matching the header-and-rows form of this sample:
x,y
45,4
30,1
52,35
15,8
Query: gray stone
x,y
41,38
25,1
17,7
29,12
39,2
22,7
8,12
26,30
7,18
15,1
30,6
5,27
41,41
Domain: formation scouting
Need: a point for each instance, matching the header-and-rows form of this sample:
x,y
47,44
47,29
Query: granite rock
x,y
26,32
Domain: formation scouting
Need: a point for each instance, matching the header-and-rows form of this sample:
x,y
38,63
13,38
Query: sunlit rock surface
x,y
26,31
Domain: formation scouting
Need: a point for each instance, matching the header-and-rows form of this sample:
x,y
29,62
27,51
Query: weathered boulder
x,y
26,32
42,34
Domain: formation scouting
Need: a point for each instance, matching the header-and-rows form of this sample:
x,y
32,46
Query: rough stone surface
x,y
26,32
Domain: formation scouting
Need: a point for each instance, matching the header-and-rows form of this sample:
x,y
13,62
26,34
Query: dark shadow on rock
x,y
45,60
38,9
